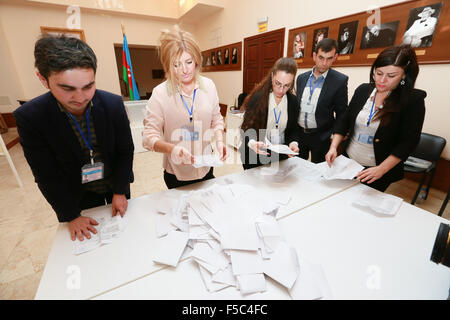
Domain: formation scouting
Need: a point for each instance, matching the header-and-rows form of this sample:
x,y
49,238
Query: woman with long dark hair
x,y
271,112
384,119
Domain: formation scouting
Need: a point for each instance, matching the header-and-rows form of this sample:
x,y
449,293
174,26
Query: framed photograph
x,y
225,58
421,25
319,34
298,45
347,37
55,31
379,35
234,55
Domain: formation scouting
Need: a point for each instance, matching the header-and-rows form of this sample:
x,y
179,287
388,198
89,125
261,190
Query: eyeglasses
x,y
279,85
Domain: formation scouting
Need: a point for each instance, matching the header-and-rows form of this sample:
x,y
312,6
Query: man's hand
x,y
82,226
119,204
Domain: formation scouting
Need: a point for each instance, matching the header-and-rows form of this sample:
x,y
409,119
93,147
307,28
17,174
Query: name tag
x,y
276,137
188,133
365,138
92,172
307,107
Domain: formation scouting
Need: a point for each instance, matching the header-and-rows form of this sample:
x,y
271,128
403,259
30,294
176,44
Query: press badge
x,y
92,172
307,107
365,138
188,133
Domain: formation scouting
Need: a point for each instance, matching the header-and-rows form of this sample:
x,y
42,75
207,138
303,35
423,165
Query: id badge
x,y
276,137
92,172
365,138
188,133
307,107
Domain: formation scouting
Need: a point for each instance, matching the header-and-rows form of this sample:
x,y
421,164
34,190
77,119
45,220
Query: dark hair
x,y
402,56
255,116
326,45
55,54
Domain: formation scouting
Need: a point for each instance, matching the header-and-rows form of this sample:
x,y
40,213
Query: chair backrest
x,y
430,147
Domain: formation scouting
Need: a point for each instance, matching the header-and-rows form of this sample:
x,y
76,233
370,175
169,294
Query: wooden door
x,y
260,53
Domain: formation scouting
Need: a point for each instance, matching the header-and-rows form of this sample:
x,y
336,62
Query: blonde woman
x,y
183,113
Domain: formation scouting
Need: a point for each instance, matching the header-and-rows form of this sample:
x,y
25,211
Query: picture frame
x,y
56,31
225,58
399,18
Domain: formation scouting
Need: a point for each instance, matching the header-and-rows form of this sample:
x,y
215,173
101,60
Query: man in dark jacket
x,y
76,139
323,96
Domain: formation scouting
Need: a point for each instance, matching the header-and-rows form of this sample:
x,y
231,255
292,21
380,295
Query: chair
x,y
4,152
444,204
424,159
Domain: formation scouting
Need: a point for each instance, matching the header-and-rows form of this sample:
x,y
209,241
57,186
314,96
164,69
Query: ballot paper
x,y
170,248
280,148
311,283
276,172
341,168
283,265
381,203
108,229
207,160
251,283
308,170
234,236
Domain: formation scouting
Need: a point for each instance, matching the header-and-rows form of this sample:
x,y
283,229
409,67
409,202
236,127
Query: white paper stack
x,y
108,229
341,168
381,203
235,237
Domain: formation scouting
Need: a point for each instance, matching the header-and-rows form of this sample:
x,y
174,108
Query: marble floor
x,y
28,224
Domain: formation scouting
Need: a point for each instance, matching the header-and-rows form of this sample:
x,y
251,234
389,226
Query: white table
x,y
363,257
318,221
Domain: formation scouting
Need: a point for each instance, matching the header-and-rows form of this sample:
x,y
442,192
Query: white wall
x,y
21,25
239,18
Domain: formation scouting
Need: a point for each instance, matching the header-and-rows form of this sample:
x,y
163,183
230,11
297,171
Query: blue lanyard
x,y
192,107
311,91
276,119
88,144
371,110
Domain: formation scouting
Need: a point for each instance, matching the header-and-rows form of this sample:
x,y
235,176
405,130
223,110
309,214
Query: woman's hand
x,y
222,149
370,174
258,147
294,147
181,155
331,155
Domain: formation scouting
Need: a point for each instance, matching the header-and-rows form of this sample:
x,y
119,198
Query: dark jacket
x,y
333,99
398,136
290,133
54,152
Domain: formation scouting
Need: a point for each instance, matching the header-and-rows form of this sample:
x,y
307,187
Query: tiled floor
x,y
28,224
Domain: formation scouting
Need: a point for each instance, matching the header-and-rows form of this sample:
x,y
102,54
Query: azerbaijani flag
x,y
128,76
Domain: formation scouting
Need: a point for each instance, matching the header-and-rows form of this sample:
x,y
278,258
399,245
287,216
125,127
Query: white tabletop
x,y
363,256
125,267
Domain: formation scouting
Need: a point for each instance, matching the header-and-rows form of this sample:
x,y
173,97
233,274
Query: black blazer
x,y
290,134
54,152
398,136
333,99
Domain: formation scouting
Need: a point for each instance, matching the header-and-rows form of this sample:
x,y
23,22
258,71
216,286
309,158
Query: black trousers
x,y
91,199
172,181
311,142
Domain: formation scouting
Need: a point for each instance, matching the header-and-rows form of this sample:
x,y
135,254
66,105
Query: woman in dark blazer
x,y
271,113
384,119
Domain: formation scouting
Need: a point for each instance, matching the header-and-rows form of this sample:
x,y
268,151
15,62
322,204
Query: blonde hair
x,y
173,43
